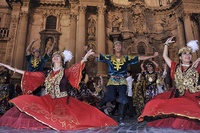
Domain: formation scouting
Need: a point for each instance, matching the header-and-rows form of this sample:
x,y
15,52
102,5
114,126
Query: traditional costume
x,y
36,64
180,108
117,70
54,110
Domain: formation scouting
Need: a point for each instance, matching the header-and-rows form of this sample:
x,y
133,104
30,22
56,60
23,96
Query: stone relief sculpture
x,y
91,27
116,21
164,23
138,23
48,44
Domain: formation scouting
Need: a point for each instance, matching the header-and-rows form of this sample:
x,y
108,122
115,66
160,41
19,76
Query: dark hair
x,y
130,72
150,64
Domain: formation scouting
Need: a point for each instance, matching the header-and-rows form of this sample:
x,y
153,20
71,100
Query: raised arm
x,y
12,69
165,51
148,57
28,49
90,52
156,65
142,67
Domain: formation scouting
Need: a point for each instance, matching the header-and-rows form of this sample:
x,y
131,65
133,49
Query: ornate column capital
x,y
23,14
82,9
101,9
187,15
73,17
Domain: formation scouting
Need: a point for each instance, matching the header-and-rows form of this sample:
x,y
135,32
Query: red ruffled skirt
x,y
33,112
179,113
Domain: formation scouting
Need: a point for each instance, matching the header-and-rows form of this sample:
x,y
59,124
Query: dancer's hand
x,y
170,40
90,52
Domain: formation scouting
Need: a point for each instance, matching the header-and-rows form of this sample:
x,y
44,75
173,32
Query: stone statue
x,y
48,44
116,21
91,27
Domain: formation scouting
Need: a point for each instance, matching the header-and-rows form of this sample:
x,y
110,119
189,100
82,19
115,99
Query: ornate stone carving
x,y
23,15
101,9
138,21
116,20
14,19
165,23
53,2
73,17
91,28
10,48
82,9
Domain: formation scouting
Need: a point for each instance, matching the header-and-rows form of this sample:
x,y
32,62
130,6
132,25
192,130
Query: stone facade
x,y
142,26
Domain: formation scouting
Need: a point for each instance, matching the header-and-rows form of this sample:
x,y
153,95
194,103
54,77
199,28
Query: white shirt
x,y
129,80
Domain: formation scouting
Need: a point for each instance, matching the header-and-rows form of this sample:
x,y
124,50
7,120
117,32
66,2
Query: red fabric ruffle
x,y
31,81
184,109
58,115
74,74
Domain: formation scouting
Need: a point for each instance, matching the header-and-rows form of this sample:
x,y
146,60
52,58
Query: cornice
x,y
10,2
113,5
59,3
165,8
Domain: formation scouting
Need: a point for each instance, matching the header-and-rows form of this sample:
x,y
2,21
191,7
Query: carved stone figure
x,y
116,21
91,27
48,44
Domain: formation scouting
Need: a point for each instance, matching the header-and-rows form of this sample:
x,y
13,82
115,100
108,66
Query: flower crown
x,y
66,55
192,46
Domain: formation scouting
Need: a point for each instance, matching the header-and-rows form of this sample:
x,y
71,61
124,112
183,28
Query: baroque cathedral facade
x,y
142,25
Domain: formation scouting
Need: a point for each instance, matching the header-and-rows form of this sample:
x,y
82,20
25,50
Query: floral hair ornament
x,y
67,55
192,46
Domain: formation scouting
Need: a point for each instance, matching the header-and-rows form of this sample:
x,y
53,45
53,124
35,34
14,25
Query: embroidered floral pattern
x,y
187,80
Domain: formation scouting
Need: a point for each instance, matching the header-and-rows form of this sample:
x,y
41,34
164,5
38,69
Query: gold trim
x,y
52,116
160,113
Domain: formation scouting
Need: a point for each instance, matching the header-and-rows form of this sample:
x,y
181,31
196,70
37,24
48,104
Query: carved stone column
x,y
11,47
72,36
197,17
80,38
188,31
125,19
21,41
188,28
181,33
101,39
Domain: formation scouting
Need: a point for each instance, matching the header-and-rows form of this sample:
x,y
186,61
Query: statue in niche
x,y
116,21
91,27
138,23
49,43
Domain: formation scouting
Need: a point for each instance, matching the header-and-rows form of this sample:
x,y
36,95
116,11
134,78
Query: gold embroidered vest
x,y
52,85
151,78
187,80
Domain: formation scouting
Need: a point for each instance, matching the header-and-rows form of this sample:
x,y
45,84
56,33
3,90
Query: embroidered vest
x,y
187,80
52,85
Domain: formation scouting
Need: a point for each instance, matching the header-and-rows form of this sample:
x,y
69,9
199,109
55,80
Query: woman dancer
x,y
55,109
180,108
